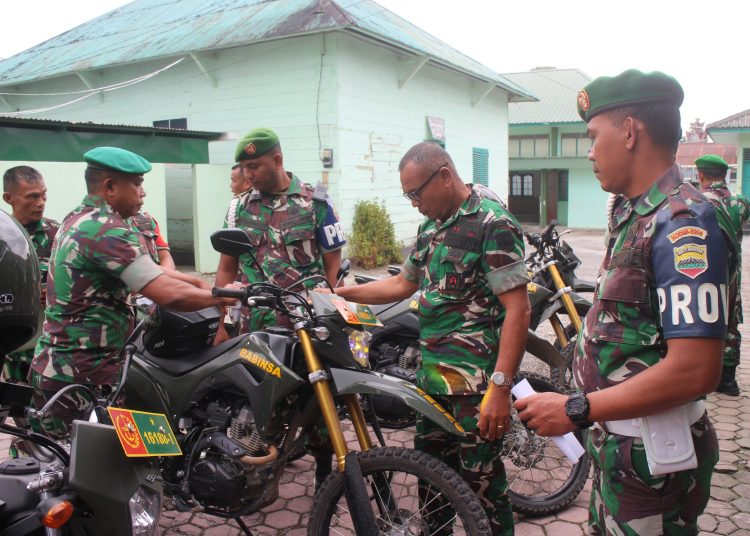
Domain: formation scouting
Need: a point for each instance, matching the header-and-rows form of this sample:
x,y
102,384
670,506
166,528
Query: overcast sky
x,y
701,43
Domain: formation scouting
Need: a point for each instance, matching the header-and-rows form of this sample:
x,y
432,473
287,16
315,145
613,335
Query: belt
x,y
631,428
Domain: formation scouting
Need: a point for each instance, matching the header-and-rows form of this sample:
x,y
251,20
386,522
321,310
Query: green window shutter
x,y
480,159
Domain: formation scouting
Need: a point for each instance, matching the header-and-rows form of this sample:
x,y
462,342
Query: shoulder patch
x,y
321,192
691,259
684,232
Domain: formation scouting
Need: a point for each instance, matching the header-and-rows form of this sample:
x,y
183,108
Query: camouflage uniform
x,y
42,233
290,232
737,208
96,260
146,224
664,276
461,265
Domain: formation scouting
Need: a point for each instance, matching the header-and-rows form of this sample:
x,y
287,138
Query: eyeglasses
x,y
414,194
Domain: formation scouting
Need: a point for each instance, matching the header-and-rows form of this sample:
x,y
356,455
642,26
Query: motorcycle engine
x,y
391,411
222,481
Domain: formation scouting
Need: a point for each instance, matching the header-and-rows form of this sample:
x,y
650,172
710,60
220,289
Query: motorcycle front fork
x,y
328,407
570,308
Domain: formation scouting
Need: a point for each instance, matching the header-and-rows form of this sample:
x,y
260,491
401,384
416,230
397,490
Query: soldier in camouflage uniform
x,y
24,190
651,345
158,248
712,169
97,259
295,233
468,263
293,226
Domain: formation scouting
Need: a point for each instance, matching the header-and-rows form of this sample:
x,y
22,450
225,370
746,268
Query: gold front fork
x,y
570,307
328,406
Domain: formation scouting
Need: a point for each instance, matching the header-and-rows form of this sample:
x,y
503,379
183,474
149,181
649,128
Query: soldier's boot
x,y
728,384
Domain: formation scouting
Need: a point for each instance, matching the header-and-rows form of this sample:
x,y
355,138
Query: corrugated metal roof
x,y
687,152
150,29
556,90
54,124
739,120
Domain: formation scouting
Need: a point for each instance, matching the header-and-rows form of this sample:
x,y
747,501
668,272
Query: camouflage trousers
x,y
731,356
627,500
17,365
70,406
477,461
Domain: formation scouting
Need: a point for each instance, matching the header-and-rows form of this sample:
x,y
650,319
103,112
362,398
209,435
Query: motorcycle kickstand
x,y
243,527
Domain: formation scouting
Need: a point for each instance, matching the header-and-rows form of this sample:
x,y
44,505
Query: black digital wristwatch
x,y
577,409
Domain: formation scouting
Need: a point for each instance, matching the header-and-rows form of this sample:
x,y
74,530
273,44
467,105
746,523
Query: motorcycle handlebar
x,y
221,292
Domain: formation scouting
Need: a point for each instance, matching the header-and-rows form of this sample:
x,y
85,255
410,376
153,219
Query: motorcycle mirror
x,y
394,269
346,267
234,242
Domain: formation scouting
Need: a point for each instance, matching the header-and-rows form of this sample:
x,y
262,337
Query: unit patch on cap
x,y
583,100
250,149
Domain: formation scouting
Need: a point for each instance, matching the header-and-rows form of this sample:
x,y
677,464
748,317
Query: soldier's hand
x,y
545,414
494,413
322,290
221,334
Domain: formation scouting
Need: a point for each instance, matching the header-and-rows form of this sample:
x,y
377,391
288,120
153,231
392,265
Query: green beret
x,y
116,159
626,89
712,163
255,143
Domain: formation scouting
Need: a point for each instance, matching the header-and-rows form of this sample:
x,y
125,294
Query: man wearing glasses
x,y
468,262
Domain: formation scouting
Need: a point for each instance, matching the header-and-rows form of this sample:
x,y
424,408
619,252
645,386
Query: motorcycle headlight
x,y
359,344
145,508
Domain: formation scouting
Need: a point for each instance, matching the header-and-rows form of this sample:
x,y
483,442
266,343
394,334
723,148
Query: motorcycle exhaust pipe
x,y
273,453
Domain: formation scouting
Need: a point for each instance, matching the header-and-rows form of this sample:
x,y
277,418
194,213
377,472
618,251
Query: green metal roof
x,y
48,140
556,89
150,29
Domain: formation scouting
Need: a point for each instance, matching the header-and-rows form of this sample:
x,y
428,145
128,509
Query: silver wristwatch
x,y
499,379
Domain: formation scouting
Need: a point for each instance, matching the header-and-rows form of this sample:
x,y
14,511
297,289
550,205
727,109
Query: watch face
x,y
575,405
498,378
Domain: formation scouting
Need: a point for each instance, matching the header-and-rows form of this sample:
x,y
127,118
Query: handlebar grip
x,y
237,293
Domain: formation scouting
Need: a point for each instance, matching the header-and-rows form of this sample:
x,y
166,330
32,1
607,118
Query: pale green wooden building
x,y
550,176
735,130
346,79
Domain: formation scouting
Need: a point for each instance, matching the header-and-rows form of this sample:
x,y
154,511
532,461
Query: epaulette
x,y
321,192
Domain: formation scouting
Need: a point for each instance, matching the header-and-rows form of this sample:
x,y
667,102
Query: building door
x,y
523,199
551,194
746,172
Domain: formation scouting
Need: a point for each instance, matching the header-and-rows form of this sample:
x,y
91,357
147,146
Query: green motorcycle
x,y
242,408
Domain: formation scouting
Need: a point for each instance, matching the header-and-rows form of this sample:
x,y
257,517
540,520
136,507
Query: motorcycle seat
x,y
180,364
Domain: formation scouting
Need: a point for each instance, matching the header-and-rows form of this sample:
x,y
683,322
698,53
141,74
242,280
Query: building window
x,y
522,185
528,146
178,124
575,145
562,186
480,160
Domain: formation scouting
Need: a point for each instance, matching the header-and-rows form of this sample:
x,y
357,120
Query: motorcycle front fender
x,y
348,382
581,304
543,350
105,480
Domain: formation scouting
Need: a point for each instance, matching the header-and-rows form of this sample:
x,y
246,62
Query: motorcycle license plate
x,y
356,313
144,434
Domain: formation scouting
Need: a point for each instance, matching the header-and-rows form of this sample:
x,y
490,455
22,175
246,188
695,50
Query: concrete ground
x,y
728,511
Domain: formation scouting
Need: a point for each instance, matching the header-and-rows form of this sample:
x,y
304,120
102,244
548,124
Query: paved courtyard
x,y
728,511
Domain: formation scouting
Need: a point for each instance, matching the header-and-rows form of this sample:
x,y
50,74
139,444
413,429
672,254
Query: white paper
x,y
568,444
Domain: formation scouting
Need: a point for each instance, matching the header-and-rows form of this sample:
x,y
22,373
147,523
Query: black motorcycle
x,y
541,479
88,487
242,408
557,306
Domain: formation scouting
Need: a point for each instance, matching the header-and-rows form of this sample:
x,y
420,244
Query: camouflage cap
x,y
255,143
116,159
712,163
626,89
